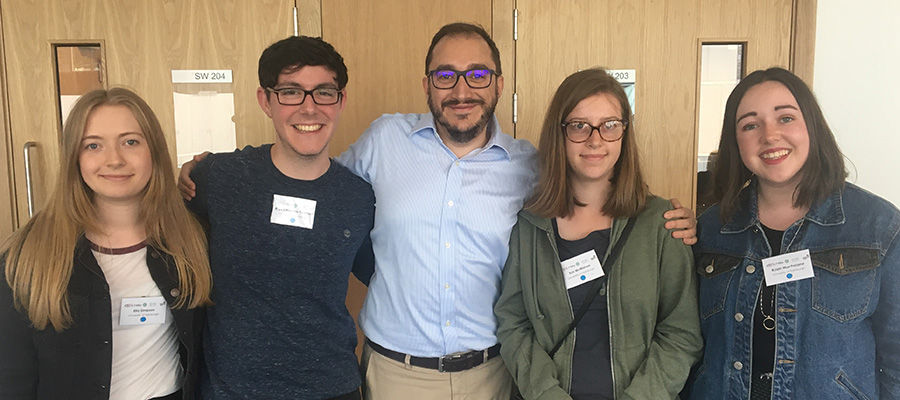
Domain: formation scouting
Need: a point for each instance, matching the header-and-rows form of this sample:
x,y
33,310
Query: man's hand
x,y
185,185
682,220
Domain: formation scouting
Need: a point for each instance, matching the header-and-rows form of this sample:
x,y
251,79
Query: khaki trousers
x,y
386,379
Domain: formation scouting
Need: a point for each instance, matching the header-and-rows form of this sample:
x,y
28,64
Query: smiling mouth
x,y
308,128
116,177
774,155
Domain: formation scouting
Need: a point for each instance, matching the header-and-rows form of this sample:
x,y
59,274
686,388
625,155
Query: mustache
x,y
455,102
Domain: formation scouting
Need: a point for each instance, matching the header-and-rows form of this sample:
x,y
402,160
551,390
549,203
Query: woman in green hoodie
x,y
640,335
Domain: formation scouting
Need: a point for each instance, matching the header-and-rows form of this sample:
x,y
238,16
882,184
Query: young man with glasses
x,y
286,226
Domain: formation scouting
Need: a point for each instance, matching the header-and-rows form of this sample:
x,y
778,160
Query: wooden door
x,y
661,41
384,44
141,43
7,203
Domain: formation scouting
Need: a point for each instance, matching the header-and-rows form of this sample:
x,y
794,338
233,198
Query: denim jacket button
x,y
738,365
174,292
738,317
751,269
710,269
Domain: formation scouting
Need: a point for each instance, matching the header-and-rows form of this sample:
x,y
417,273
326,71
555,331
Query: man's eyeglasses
x,y
580,132
291,96
448,78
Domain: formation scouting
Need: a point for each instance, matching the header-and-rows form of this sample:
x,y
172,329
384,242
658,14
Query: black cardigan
x,y
77,362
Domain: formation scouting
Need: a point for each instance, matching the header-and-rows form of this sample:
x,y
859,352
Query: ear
x,y
425,85
500,86
343,102
263,98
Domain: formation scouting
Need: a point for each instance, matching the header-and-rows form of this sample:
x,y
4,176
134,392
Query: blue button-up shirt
x,y
837,335
441,234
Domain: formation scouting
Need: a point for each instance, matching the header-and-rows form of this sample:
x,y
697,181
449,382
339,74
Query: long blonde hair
x,y
40,255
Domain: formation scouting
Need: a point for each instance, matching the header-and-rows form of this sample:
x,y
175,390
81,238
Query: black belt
x,y
450,363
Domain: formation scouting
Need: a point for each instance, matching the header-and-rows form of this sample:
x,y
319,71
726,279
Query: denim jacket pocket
x,y
844,381
716,271
843,282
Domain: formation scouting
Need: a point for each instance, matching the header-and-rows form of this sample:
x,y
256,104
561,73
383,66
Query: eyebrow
x,y
295,85
789,106
777,108
450,67
749,114
123,134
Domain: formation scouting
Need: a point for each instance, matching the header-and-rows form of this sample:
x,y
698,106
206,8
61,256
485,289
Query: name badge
x,y
143,311
788,267
582,268
293,211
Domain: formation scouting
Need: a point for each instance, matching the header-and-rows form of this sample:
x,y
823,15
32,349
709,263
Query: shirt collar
x,y
827,213
425,126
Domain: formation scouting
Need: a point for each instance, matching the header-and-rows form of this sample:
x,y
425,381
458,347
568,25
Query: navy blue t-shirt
x,y
279,328
591,362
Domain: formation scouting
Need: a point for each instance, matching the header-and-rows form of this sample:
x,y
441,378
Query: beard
x,y
457,134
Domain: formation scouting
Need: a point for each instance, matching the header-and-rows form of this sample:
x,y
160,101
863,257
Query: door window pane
x,y
79,70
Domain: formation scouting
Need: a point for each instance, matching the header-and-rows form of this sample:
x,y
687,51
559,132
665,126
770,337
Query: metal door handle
x,y
29,183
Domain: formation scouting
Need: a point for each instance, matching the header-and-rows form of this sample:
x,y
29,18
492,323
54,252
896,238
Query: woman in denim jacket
x,y
770,331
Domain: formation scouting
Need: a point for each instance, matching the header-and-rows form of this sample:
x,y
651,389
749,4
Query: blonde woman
x,y
104,286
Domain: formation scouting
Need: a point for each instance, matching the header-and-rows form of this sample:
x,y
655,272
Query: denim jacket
x,y
837,335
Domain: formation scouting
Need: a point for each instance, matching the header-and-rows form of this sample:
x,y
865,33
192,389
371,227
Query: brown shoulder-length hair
x,y
553,196
822,174
39,256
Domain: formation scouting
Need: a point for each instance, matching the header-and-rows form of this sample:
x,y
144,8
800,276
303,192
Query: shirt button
x,y
751,269
346,233
738,317
540,316
446,286
106,342
457,162
447,323
709,269
450,203
738,365
447,245
175,292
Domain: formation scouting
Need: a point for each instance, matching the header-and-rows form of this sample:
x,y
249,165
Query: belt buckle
x,y
449,357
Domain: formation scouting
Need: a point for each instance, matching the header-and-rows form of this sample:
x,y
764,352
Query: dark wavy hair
x,y
290,54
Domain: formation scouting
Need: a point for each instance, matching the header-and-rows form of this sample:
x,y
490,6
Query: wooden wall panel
x,y
309,17
384,45
803,43
660,40
7,199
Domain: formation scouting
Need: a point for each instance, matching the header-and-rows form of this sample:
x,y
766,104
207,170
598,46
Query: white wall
x,y
857,83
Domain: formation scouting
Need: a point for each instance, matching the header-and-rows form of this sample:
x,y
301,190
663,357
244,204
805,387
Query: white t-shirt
x,y
145,360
